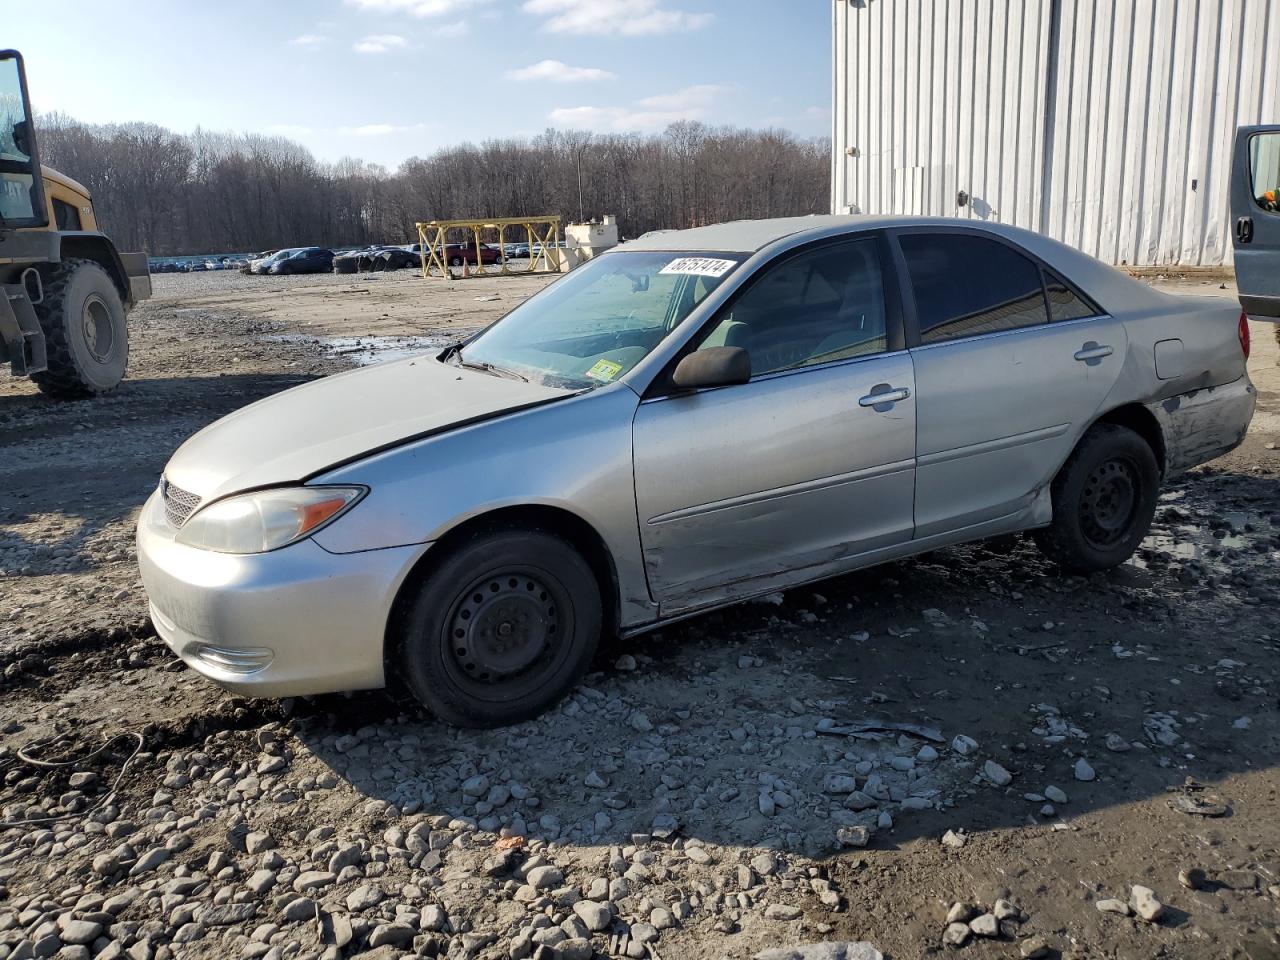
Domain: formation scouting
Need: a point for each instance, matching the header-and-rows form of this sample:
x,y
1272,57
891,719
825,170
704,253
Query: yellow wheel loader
x,y
66,289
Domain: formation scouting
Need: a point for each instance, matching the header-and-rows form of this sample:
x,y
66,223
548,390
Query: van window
x,y
1264,169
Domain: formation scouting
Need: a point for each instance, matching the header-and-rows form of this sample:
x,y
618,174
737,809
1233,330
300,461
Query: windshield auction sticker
x,y
604,370
699,266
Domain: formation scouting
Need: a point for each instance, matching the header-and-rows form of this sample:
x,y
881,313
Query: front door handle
x,y
1093,351
1244,230
883,396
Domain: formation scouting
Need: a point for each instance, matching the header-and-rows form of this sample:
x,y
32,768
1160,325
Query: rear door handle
x,y
888,397
1093,351
1244,230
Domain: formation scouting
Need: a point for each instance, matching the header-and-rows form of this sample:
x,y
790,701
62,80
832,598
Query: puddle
x,y
1180,539
367,350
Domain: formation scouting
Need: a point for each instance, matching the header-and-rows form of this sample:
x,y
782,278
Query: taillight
x,y
1243,332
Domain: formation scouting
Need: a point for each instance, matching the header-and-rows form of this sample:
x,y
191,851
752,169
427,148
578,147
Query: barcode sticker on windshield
x,y
699,266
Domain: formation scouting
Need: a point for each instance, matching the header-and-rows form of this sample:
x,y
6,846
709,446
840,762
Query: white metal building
x,y
1107,124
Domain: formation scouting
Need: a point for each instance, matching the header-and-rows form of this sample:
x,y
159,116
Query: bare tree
x,y
212,192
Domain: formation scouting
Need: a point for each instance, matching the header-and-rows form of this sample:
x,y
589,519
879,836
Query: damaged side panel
x,y
786,471
1204,424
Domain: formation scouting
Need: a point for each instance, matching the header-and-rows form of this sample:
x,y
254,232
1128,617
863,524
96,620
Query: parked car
x,y
263,264
515,251
686,421
301,260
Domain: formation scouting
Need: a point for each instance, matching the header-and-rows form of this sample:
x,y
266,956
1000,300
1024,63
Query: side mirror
x,y
713,367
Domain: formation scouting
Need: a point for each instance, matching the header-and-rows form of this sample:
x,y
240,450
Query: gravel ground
x,y
963,752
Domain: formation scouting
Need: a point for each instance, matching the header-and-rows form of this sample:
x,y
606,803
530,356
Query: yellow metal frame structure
x,y
543,233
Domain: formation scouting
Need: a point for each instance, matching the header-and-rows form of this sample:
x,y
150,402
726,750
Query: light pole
x,y
581,149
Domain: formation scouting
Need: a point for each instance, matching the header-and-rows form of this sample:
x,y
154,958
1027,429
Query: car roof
x,y
748,236
1111,288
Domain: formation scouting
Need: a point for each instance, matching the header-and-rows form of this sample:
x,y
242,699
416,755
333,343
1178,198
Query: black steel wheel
x,y
499,628
1103,500
1108,502
503,632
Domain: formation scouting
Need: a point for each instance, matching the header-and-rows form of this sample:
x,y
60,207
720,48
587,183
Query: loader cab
x,y
1255,216
22,200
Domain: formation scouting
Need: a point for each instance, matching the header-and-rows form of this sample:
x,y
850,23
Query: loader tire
x,y
85,329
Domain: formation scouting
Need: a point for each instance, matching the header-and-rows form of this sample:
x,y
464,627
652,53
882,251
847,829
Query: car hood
x,y
300,432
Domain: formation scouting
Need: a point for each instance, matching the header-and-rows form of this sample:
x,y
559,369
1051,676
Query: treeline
x,y
174,194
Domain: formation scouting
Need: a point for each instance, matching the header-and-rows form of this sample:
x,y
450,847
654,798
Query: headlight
x,y
266,519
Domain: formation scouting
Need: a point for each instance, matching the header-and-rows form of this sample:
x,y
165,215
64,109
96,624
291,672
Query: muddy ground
x,y
690,789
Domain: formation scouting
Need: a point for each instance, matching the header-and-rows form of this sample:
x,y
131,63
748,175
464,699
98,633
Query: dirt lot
x,y
686,801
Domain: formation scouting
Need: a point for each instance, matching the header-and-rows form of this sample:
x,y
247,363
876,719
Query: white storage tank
x,y
582,241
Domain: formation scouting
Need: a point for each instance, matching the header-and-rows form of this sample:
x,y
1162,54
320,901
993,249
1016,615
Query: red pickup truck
x,y
455,254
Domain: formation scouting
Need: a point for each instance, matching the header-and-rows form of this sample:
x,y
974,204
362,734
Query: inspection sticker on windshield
x,y
699,267
604,370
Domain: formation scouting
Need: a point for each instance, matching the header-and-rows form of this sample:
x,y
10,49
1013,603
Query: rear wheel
x,y
86,331
455,261
1103,501
501,628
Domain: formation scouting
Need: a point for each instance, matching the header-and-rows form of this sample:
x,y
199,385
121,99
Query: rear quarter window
x,y
1064,302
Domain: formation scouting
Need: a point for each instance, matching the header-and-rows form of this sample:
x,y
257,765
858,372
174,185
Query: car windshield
x,y
596,323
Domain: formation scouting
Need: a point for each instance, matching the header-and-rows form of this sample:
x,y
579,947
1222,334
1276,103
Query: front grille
x,y
178,503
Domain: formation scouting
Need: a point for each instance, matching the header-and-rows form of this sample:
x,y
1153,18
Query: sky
x,y
385,80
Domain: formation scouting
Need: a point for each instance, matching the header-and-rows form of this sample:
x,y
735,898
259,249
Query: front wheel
x,y
500,628
1103,500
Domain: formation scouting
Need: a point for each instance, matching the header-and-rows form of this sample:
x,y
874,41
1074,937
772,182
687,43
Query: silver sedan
x,y
691,419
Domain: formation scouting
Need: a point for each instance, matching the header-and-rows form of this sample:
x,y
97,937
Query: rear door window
x,y
967,285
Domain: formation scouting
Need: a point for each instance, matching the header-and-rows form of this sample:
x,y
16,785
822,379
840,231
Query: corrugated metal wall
x,y
1105,123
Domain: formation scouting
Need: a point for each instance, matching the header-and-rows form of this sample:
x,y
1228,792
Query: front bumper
x,y
1204,424
292,622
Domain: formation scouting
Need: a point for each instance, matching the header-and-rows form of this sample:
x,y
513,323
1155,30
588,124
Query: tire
x,y
86,332
455,261
528,583
1103,500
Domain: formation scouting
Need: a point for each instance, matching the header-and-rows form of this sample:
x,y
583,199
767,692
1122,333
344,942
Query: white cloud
x,y
689,100
289,130
380,43
557,71
309,40
377,129
416,8
458,28
647,114
626,17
